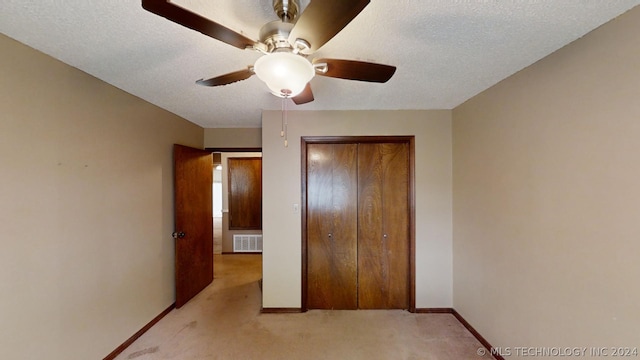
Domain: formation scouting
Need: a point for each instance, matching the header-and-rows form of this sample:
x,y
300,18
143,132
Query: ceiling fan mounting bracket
x,y
259,47
321,68
300,45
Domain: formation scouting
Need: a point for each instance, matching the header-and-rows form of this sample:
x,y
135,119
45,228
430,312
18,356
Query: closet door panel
x,y
331,226
395,164
372,268
383,237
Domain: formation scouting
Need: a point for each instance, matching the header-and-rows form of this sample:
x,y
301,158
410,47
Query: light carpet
x,y
224,322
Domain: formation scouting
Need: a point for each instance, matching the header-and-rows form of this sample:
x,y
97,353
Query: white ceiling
x,y
446,51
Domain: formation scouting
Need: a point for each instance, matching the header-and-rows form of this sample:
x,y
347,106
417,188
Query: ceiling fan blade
x,y
196,22
356,70
304,97
227,78
322,20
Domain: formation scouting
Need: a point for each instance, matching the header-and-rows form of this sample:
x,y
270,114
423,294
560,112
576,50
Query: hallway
x,y
224,322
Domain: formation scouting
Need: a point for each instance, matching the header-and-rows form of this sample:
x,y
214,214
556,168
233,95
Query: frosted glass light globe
x,y
285,74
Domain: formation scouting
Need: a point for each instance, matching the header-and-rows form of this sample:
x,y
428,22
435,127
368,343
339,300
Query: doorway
x,y
217,203
228,237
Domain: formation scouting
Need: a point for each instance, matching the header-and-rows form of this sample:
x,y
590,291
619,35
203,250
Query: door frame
x,y
222,150
410,140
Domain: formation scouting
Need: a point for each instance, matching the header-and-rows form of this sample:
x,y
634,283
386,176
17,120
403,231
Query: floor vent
x,y
247,243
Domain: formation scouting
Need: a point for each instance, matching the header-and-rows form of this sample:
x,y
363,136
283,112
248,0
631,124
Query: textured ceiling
x,y
445,51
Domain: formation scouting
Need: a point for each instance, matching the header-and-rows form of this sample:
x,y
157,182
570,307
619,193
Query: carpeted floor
x,y
224,322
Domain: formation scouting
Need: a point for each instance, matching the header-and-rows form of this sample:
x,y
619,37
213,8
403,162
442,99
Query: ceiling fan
x,y
286,45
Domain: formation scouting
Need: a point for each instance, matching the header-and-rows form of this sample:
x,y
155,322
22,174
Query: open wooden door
x,y
193,170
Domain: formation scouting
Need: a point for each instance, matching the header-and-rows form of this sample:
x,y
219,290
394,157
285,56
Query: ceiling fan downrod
x,y
287,10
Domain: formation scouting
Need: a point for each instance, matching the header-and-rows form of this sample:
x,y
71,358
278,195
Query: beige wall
x,y
282,189
86,209
233,138
547,198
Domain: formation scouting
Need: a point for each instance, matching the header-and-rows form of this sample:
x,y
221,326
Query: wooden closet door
x,y
245,193
383,232
332,226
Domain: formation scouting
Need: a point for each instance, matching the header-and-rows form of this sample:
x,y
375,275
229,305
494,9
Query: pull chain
x,y
282,110
286,133
285,123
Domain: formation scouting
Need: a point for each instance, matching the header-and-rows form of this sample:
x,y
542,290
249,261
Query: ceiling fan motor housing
x,y
275,35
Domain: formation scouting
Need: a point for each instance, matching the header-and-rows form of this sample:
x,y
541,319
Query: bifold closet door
x,y
332,228
383,226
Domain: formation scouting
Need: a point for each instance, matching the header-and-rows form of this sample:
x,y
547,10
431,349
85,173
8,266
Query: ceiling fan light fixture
x,y
285,74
